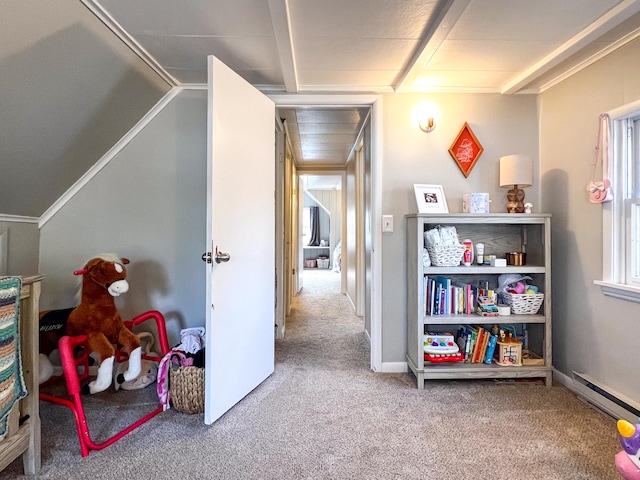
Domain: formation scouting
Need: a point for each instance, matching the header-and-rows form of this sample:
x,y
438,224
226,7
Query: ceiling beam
x,y
602,25
628,38
281,21
436,32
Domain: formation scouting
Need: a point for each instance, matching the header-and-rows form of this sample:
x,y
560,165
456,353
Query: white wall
x,y
502,124
149,205
593,334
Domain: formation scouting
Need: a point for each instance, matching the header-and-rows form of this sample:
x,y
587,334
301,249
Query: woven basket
x,y
524,303
186,385
446,256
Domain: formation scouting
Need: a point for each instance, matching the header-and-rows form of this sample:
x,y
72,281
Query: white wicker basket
x,y
524,303
446,255
323,262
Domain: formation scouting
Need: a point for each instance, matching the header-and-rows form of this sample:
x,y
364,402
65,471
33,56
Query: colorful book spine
x,y
445,283
472,332
477,348
491,347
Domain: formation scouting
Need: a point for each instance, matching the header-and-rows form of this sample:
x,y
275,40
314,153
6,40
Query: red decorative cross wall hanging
x,y
466,150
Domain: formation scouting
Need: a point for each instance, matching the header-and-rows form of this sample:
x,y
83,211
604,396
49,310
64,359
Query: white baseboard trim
x,y
351,301
563,379
394,367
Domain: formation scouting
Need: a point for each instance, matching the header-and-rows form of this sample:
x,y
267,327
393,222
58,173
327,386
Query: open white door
x,y
240,223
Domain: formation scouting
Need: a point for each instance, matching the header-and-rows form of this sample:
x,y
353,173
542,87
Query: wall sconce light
x,y
427,124
427,115
516,171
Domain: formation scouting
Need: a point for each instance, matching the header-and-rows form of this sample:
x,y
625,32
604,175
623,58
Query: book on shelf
x,y
485,343
471,334
444,284
464,297
429,295
464,339
491,347
477,348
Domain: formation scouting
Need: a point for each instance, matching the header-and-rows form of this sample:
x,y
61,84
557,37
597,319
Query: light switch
x,y
387,223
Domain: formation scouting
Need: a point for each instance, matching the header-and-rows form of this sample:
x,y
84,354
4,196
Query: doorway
x,y
322,229
370,198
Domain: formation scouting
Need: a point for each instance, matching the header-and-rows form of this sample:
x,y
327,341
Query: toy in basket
x,y
522,298
523,303
181,373
445,250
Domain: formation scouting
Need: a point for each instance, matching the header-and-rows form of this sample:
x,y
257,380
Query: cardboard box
x,y
531,358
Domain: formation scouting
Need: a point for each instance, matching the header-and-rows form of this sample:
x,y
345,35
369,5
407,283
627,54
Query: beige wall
x,y
503,125
593,334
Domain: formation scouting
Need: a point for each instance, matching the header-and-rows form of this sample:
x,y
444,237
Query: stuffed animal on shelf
x,y
103,279
628,459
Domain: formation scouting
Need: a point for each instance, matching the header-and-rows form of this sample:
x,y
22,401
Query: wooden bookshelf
x,y
500,233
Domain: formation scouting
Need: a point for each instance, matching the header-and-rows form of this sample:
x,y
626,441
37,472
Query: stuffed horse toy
x,y
103,279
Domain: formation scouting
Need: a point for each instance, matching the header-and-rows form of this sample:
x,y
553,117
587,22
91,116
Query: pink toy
x,y
628,460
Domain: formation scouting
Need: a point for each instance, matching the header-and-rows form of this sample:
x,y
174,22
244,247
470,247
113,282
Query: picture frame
x,y
430,198
466,150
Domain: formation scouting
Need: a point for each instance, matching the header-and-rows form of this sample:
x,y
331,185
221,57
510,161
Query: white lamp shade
x,y
516,170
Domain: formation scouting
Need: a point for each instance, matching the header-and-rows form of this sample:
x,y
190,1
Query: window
x,y
621,217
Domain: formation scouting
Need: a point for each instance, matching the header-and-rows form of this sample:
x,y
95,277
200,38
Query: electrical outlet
x,y
387,223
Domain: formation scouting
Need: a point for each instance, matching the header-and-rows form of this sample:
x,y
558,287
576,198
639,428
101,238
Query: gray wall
x,y
149,205
70,89
502,124
593,334
22,248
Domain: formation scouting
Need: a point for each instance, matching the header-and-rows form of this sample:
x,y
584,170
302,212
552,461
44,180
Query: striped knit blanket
x,y
12,386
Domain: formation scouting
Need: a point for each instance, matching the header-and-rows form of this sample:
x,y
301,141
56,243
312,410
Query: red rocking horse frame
x,y
73,380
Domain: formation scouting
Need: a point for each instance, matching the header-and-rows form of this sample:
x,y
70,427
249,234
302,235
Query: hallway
x,y
322,326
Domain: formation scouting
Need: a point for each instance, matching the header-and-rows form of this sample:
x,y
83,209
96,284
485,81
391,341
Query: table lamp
x,y
515,171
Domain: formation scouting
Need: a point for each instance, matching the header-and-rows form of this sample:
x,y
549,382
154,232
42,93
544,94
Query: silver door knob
x,y
221,256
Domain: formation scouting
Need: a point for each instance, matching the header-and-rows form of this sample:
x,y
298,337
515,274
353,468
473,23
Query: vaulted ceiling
x,y
72,87
311,46
507,46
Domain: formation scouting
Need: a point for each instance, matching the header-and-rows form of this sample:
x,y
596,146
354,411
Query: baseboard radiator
x,y
606,399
